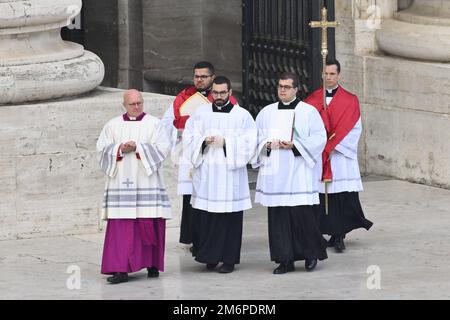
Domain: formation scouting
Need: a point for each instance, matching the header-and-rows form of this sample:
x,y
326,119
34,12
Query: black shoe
x,y
310,264
211,266
331,242
226,268
118,277
339,245
284,267
152,272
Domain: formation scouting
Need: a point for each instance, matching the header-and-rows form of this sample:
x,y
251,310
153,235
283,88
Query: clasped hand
x,y
277,144
215,141
129,146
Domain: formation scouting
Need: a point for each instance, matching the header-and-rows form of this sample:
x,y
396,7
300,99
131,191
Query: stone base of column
x,y
416,41
43,81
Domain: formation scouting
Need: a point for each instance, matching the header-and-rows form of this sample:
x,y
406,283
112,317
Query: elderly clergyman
x,y
131,149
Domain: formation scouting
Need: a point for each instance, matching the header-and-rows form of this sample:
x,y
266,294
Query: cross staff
x,y
324,24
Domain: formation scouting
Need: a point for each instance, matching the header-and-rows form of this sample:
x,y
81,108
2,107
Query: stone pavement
x,y
408,247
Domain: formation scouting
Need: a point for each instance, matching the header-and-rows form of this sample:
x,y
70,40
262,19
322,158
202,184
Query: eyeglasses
x,y
136,104
280,87
219,93
202,77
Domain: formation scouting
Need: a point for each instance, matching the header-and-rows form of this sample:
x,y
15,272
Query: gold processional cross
x,y
324,24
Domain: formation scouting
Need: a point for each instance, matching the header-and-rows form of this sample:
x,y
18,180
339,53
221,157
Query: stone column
x,y
422,31
35,63
131,57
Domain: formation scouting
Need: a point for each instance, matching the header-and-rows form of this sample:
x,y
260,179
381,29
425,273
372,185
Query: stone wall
x,y
51,182
222,36
404,102
165,59
204,29
407,119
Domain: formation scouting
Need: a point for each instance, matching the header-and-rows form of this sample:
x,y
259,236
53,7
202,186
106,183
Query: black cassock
x,y
294,234
344,214
186,220
217,237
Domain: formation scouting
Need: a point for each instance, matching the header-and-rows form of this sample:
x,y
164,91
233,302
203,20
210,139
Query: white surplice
x,y
220,182
184,186
134,187
285,179
344,164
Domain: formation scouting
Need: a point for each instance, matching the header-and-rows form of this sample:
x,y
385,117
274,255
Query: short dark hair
x,y
222,80
289,75
332,62
204,65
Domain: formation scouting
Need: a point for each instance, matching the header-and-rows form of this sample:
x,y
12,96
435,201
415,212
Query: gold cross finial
x,y
324,24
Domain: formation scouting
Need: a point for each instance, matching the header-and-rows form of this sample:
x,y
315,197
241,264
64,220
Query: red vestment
x,y
339,119
180,121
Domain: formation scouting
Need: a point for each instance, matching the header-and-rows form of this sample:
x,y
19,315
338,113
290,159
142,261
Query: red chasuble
x,y
339,118
180,120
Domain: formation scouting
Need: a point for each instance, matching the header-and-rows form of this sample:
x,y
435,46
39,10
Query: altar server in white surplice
x,y
219,140
291,138
174,120
131,149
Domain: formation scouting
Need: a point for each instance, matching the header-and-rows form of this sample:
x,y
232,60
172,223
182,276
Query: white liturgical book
x,y
192,103
283,124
